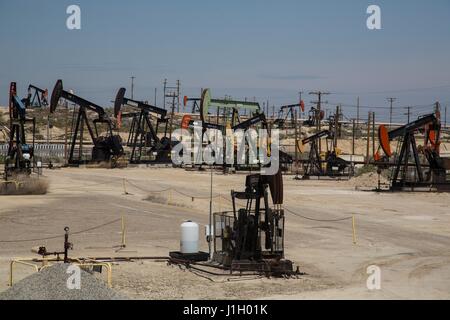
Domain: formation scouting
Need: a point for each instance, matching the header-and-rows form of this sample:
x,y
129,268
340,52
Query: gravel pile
x,y
51,284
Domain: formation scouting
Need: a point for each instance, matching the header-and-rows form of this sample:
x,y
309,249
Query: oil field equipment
x,y
227,109
107,148
146,146
36,98
229,116
415,167
252,238
328,164
286,112
314,117
20,156
195,104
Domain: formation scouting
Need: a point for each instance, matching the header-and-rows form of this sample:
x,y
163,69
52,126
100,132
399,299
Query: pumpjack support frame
x,y
20,156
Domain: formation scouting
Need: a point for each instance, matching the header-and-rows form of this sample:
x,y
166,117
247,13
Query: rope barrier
x,y
145,190
56,237
317,220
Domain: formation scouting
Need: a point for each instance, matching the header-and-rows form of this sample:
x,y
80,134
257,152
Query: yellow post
x,y
124,186
354,229
123,232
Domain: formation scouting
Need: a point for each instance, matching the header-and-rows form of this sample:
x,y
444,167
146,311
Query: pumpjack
x,y
229,112
428,170
252,238
107,147
334,166
36,98
226,110
146,145
288,111
20,157
195,103
314,117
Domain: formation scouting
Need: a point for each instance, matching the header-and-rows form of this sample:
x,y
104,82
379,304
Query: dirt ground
x,y
406,235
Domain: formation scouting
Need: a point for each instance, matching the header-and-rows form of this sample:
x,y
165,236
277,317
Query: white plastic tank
x,y
189,237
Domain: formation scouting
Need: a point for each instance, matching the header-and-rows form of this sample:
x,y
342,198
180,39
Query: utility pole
x,y
164,98
178,96
156,90
445,117
357,113
318,119
132,86
336,127
353,137
296,143
437,108
391,100
408,114
373,134
369,122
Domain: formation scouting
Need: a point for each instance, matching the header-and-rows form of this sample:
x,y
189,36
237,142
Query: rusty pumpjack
x,y
403,178
146,146
252,238
106,148
20,157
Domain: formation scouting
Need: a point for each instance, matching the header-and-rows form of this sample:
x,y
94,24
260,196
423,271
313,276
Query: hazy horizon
x,y
268,51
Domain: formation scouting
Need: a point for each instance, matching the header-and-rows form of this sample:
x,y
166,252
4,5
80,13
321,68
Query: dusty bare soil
x,y
406,235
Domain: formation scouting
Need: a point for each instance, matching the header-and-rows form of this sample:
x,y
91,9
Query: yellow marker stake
x,y
123,232
354,229
124,186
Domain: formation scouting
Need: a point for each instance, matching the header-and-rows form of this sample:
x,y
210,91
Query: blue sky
x,y
248,48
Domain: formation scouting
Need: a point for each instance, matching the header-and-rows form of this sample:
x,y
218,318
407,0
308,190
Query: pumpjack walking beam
x,y
142,129
104,147
206,103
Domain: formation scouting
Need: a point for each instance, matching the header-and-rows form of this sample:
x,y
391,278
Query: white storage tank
x,y
189,237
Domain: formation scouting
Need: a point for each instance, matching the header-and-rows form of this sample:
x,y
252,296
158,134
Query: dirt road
x,y
406,235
